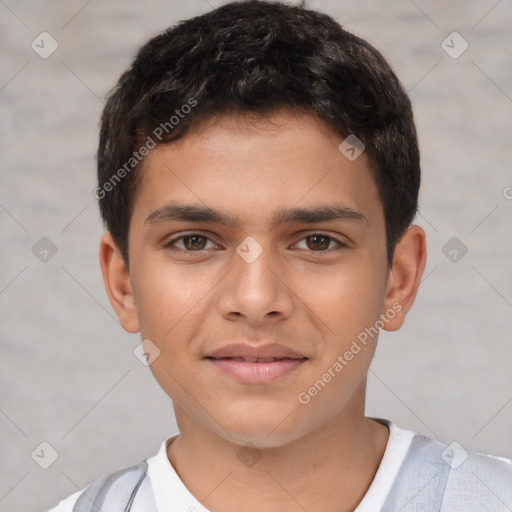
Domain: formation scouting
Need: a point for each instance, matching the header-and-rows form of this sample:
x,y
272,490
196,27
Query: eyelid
x,y
168,244
338,240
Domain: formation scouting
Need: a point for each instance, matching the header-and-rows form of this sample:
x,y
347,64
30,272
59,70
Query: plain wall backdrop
x,y
68,373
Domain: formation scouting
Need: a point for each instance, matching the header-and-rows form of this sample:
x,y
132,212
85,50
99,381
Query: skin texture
x,y
304,292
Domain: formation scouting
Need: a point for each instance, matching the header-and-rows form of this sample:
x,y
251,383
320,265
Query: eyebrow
x,y
175,212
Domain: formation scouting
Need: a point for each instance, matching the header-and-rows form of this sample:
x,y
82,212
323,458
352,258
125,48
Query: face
x,y
258,272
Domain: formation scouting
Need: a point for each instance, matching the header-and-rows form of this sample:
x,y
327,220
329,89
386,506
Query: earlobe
x,y
118,285
405,276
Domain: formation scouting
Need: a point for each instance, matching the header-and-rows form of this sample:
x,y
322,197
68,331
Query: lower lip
x,y
257,373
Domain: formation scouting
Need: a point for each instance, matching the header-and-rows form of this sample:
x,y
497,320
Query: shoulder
x,y
447,478
128,489
480,480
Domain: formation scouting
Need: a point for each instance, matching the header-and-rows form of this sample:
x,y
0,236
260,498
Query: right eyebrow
x,y
188,212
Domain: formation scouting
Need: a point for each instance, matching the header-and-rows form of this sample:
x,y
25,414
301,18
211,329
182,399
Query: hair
x,y
256,57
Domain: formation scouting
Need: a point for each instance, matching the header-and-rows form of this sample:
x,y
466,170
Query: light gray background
x,y
68,373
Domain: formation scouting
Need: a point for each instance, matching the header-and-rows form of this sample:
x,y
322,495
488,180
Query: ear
x,y
118,284
404,277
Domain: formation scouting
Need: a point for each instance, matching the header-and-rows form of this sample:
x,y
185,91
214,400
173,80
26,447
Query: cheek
x,y
171,306
166,297
349,301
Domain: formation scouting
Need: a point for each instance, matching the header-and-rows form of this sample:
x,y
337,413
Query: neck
x,y
330,468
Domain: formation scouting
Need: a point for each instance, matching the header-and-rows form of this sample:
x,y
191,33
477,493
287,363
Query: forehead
x,y
254,166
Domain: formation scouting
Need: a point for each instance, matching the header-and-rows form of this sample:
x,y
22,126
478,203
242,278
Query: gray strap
x,y
134,492
115,491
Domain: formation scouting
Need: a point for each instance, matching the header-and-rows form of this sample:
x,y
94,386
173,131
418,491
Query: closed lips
x,y
257,359
268,353
256,365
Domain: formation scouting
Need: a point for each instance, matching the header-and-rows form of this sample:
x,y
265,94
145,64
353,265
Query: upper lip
x,y
250,352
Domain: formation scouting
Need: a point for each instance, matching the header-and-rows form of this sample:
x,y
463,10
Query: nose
x,y
255,290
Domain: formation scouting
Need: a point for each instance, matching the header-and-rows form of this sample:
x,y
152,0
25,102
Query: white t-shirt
x,y
416,474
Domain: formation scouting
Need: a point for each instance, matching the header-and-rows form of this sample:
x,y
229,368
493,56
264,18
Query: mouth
x,y
256,365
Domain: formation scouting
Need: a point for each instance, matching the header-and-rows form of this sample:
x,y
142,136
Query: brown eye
x,y
194,242
318,242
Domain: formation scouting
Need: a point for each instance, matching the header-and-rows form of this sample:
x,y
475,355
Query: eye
x,y
320,242
196,242
192,242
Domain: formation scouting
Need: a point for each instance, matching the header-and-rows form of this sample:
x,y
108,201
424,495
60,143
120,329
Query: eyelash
x,y
169,244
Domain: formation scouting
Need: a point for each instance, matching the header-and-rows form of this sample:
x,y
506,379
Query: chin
x,y
263,427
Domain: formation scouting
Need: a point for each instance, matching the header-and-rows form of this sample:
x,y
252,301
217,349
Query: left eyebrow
x,y
196,213
316,215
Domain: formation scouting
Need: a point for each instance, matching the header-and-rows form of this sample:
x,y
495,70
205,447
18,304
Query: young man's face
x,y
268,285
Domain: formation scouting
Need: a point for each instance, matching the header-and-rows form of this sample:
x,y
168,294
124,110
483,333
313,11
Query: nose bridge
x,y
252,265
254,288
